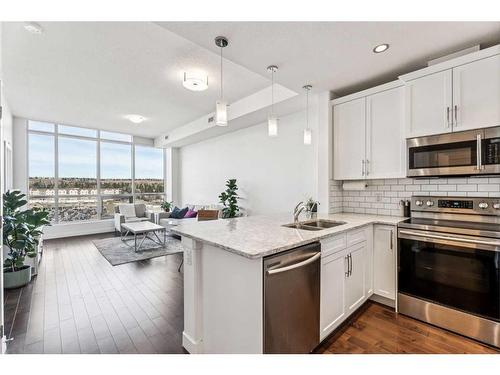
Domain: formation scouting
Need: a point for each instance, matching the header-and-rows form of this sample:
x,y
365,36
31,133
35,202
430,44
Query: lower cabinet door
x,y
384,250
355,291
333,274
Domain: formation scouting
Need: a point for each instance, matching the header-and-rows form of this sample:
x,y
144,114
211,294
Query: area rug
x,y
116,252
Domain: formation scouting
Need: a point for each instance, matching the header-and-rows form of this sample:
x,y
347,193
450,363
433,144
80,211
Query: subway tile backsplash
x,y
382,197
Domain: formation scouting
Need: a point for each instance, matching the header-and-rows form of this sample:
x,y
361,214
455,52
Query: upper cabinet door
x,y
429,104
385,139
349,140
476,94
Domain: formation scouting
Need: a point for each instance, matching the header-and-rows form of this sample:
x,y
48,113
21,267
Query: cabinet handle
x,y
347,260
363,167
392,239
350,265
366,167
447,117
456,115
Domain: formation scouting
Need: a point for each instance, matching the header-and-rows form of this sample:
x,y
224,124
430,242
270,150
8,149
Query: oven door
x,y
446,154
460,272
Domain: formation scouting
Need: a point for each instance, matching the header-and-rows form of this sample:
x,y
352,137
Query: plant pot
x,y
17,279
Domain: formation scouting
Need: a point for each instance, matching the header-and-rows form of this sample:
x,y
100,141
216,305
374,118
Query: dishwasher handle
x,y
294,266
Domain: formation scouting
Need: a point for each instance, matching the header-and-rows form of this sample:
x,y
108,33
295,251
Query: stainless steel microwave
x,y
472,152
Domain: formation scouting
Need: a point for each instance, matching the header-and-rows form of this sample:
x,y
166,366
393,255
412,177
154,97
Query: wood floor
x,y
379,330
79,303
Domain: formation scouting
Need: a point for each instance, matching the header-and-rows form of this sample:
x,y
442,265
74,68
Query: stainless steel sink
x,y
314,225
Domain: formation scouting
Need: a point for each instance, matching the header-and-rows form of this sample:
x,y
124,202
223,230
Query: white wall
x,y
19,151
273,173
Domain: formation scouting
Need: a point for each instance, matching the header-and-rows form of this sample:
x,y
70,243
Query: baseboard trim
x,y
191,346
383,300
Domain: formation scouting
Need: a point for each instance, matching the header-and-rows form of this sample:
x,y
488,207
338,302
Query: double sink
x,y
314,225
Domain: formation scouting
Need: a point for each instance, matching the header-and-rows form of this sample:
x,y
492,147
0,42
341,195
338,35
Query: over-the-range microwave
x,y
472,152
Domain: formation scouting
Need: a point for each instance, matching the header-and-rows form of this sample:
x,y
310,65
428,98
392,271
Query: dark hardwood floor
x,y
377,329
79,303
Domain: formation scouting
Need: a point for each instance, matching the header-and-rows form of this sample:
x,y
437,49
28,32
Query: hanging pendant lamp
x,y
221,105
272,119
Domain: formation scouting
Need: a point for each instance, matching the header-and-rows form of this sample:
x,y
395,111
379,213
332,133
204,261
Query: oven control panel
x,y
466,205
449,203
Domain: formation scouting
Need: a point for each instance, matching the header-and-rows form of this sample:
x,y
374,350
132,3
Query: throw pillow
x,y
178,213
190,214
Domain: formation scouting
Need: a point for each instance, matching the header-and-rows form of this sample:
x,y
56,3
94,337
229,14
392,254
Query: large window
x,y
83,174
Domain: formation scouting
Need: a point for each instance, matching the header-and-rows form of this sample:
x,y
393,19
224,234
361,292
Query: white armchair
x,y
128,213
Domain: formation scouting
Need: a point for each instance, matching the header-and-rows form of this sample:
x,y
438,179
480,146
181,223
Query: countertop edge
x,y
287,247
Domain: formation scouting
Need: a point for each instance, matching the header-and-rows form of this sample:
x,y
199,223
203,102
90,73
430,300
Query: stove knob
x,y
496,206
429,203
483,205
419,203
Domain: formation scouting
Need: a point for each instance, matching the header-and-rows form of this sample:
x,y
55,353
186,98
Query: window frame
x,y
99,196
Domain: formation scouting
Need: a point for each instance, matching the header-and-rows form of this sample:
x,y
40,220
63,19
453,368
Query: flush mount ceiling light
x,y
221,105
33,27
381,48
307,130
195,81
136,119
272,120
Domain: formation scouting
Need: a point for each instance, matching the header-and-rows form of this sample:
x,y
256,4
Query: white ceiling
x,y
337,56
91,74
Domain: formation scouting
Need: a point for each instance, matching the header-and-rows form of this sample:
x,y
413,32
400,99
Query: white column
x,y
20,154
193,319
324,151
172,175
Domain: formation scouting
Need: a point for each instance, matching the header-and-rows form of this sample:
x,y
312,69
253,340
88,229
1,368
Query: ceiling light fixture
x,y
272,119
307,130
221,105
195,81
136,119
381,48
33,27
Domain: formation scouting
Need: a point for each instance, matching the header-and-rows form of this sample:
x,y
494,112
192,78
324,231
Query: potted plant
x,y
21,233
166,206
229,198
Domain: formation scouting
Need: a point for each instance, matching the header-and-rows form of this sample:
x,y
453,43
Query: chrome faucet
x,y
297,210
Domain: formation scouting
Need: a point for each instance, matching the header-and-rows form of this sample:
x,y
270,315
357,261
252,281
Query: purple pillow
x,y
190,214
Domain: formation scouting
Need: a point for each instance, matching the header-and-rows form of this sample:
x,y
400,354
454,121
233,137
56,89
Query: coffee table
x,y
145,229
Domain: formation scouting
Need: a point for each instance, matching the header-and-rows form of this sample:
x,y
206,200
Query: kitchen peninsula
x,y
224,274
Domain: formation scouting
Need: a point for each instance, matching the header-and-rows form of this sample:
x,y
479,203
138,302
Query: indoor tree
x,y
229,198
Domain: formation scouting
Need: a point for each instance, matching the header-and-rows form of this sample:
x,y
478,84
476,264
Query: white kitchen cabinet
x,y
332,312
476,94
385,136
384,262
369,136
428,104
355,292
349,123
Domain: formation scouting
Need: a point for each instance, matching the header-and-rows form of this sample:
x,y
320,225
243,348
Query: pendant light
x,y
307,130
272,120
221,105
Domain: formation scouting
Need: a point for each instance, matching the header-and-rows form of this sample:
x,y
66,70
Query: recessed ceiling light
x,y
33,27
136,119
381,48
195,81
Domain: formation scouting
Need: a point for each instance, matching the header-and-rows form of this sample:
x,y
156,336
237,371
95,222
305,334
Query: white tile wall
x,y
382,197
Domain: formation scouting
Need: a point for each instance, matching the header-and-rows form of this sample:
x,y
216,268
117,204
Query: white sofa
x,y
129,213
168,222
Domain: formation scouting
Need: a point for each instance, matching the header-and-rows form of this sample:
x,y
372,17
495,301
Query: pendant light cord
x,y
272,92
221,78
307,109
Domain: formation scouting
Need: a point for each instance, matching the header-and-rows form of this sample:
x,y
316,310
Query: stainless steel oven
x,y
449,265
472,152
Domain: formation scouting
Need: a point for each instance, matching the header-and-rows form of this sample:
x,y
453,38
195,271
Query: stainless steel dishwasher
x,y
291,300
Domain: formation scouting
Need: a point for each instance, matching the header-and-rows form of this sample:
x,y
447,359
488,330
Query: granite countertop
x,y
259,236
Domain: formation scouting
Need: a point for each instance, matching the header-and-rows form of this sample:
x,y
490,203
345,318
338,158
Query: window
x,y
116,168
91,172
